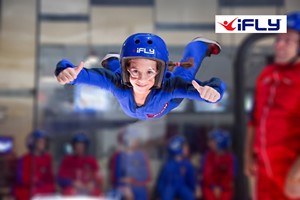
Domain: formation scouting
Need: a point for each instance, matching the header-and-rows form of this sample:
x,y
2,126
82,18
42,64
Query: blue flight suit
x,y
175,87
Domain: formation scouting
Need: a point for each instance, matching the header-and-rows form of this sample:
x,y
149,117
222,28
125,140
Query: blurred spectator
x,y
177,177
79,173
273,134
191,165
8,163
113,160
132,171
218,168
34,169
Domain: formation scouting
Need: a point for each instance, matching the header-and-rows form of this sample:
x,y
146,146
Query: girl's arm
x,y
67,73
210,91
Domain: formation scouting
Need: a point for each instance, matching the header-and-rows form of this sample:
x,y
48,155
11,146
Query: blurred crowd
x,y
210,176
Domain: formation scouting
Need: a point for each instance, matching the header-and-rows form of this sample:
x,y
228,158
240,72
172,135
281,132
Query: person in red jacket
x,y
79,173
34,169
273,135
218,167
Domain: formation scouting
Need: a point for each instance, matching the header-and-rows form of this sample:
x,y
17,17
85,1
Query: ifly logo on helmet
x,y
145,50
250,23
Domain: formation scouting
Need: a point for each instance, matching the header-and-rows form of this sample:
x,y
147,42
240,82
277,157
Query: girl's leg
x,y
197,49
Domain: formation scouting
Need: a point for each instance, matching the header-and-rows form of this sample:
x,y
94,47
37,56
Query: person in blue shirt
x,y
177,178
142,84
132,171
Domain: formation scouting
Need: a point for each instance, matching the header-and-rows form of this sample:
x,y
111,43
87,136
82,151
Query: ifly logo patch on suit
x,y
250,24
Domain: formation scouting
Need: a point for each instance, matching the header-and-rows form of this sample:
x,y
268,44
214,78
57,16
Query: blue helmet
x,y
80,137
175,146
145,45
293,21
33,137
221,137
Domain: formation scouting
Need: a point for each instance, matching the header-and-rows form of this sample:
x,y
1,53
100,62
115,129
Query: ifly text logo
x,y
146,51
250,24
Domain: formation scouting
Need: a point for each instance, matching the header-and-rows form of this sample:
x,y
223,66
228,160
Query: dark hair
x,y
187,64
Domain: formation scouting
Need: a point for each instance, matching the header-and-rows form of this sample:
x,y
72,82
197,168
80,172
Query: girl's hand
x,y
69,74
206,92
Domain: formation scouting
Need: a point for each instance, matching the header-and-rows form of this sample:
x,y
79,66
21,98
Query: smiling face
x,y
142,74
286,47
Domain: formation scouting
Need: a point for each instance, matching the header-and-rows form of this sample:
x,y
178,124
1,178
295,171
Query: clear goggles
x,y
136,74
